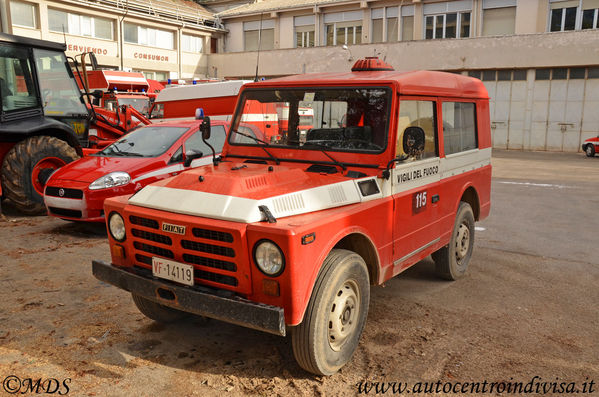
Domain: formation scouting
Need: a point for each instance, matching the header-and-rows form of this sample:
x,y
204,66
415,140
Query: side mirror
x,y
98,94
413,141
205,128
190,156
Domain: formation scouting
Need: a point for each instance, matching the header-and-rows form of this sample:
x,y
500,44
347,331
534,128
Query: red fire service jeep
x,y
289,235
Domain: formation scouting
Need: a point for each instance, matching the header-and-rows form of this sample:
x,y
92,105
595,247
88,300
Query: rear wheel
x,y
336,314
27,167
590,150
156,311
452,260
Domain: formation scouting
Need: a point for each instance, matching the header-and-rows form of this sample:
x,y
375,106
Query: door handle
x,y
435,198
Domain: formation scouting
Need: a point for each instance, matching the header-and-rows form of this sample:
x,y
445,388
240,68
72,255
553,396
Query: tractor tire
x,y
26,169
336,314
156,311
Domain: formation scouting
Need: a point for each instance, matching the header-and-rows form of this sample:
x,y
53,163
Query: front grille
x,y
153,249
157,238
66,193
210,262
208,248
137,220
214,264
215,277
65,212
213,235
143,259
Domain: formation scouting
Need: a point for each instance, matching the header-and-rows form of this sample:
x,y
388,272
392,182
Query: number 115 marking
x,y
419,201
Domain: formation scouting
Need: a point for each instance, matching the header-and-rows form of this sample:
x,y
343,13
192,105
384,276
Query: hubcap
x,y
462,242
42,171
344,314
589,150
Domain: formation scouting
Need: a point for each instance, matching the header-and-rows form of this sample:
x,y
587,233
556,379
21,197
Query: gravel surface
x,y
527,307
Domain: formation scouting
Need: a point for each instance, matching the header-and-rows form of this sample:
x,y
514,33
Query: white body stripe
x,y
404,176
249,117
174,168
245,210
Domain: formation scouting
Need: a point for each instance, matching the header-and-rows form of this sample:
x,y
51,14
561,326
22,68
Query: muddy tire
x,y
336,314
452,260
26,169
156,311
589,150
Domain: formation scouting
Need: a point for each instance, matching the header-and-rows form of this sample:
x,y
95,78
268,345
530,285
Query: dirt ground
x,y
527,307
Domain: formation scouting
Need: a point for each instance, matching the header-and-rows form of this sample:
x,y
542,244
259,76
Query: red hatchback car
x,y
77,191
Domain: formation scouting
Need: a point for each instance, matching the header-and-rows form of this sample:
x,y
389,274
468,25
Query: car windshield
x,y
337,119
150,141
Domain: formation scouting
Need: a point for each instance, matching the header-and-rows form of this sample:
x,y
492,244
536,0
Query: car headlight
x,y
116,226
113,179
269,258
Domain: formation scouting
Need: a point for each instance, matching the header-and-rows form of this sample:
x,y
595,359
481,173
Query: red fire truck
x,y
290,236
216,98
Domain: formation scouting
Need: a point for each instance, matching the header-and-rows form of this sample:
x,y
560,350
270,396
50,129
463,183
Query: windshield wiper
x,y
276,160
321,146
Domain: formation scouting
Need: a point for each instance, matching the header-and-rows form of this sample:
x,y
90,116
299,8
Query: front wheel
x,y
590,150
452,260
336,314
27,167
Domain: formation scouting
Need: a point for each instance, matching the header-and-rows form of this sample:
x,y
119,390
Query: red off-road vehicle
x,y
289,236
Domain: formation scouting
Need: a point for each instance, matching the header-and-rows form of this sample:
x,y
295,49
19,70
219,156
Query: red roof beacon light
x,y
370,64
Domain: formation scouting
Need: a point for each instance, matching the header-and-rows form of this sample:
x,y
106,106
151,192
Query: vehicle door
x,y
415,184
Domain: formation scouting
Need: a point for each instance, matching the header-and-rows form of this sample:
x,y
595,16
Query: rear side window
x,y
459,127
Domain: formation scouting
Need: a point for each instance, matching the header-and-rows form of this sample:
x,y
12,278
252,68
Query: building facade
x,y
162,38
539,59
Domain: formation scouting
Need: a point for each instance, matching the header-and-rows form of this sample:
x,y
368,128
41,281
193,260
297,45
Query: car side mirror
x,y
98,94
190,156
413,141
205,128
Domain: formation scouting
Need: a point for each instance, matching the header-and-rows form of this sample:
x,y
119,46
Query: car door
x,y
415,185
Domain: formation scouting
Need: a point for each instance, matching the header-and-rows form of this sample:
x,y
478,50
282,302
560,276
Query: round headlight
x,y
116,226
269,258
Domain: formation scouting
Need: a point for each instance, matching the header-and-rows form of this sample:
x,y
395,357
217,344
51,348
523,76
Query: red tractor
x,y
44,120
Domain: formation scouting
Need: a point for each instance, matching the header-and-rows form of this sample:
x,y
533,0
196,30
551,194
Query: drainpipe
x,y
5,20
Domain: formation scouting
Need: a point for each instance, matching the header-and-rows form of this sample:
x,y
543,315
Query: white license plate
x,y
171,270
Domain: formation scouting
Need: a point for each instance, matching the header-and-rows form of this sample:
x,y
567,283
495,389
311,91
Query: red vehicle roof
x,y
422,82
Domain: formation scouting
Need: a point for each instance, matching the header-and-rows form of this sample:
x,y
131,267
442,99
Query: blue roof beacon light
x,y
199,113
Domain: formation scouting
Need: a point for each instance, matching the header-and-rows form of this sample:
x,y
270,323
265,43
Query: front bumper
x,y
237,311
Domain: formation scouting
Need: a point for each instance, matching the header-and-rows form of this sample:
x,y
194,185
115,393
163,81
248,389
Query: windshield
x,y
337,119
151,141
140,104
60,94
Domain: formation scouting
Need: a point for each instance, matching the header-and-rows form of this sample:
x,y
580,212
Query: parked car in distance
x,y
77,191
591,146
